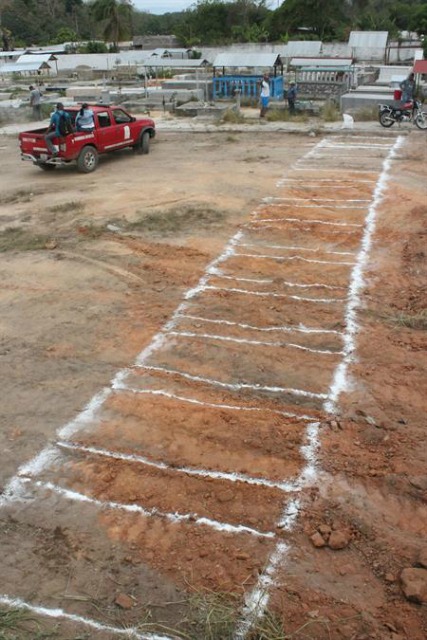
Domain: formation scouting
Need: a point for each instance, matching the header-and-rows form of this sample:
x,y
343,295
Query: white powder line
x,y
287,283
340,378
293,199
359,160
300,328
314,206
258,343
257,601
347,181
288,247
310,221
175,518
213,405
290,258
87,416
257,280
385,147
274,295
234,386
329,169
306,186
130,632
285,487
332,232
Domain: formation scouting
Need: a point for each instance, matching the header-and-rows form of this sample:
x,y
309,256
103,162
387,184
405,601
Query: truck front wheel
x,y
143,144
88,159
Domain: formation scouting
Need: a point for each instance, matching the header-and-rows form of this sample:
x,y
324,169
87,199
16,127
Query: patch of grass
x,y
278,115
411,320
330,112
16,624
232,117
213,615
73,205
269,627
178,220
16,239
22,195
90,231
283,115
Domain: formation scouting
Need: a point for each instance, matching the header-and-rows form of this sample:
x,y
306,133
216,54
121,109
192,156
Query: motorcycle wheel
x,y
420,120
385,119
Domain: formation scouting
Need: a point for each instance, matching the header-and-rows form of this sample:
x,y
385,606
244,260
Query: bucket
x,y
397,95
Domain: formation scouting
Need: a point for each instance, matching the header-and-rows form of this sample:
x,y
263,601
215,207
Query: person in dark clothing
x,y
292,96
54,130
408,88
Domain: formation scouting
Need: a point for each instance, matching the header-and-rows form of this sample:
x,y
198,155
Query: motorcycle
x,y
408,112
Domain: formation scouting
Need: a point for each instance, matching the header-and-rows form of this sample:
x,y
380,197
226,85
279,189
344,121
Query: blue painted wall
x,y
249,86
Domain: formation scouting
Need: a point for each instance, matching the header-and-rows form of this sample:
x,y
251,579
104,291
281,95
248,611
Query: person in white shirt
x,y
85,119
265,95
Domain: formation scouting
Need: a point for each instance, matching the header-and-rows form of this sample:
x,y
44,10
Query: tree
x,y
5,34
320,17
116,19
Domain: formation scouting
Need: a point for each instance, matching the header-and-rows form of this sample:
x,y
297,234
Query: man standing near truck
x,y
35,99
60,124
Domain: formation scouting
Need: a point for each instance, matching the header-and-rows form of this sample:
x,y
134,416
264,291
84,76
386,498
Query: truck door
x,y
123,129
112,133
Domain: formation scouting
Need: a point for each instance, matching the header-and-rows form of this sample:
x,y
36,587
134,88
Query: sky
x,y
168,6
162,6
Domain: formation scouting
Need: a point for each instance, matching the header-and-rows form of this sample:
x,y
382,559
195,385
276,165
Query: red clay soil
x,y
180,478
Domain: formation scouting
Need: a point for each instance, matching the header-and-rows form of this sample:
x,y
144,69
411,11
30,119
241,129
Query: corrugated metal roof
x,y
175,63
265,60
321,62
52,49
174,52
12,54
17,67
368,39
35,57
301,48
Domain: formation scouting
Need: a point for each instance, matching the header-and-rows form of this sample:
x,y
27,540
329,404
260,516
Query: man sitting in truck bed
x,y
54,130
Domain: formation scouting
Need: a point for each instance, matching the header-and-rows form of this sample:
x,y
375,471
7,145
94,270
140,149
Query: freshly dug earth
x,y
122,520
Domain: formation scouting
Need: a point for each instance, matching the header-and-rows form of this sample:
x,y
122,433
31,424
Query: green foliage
x,y
207,22
115,17
65,34
94,46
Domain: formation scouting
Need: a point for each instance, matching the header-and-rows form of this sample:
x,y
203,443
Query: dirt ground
x,y
171,383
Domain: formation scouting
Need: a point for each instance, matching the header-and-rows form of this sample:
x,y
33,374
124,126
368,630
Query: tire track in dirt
x,y
194,461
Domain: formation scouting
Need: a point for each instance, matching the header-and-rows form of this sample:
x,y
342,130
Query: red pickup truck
x,y
114,129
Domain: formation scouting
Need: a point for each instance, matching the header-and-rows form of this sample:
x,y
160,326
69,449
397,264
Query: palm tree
x,y
116,16
4,33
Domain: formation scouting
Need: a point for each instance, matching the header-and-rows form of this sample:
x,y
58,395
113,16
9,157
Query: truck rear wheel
x,y
143,144
88,159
